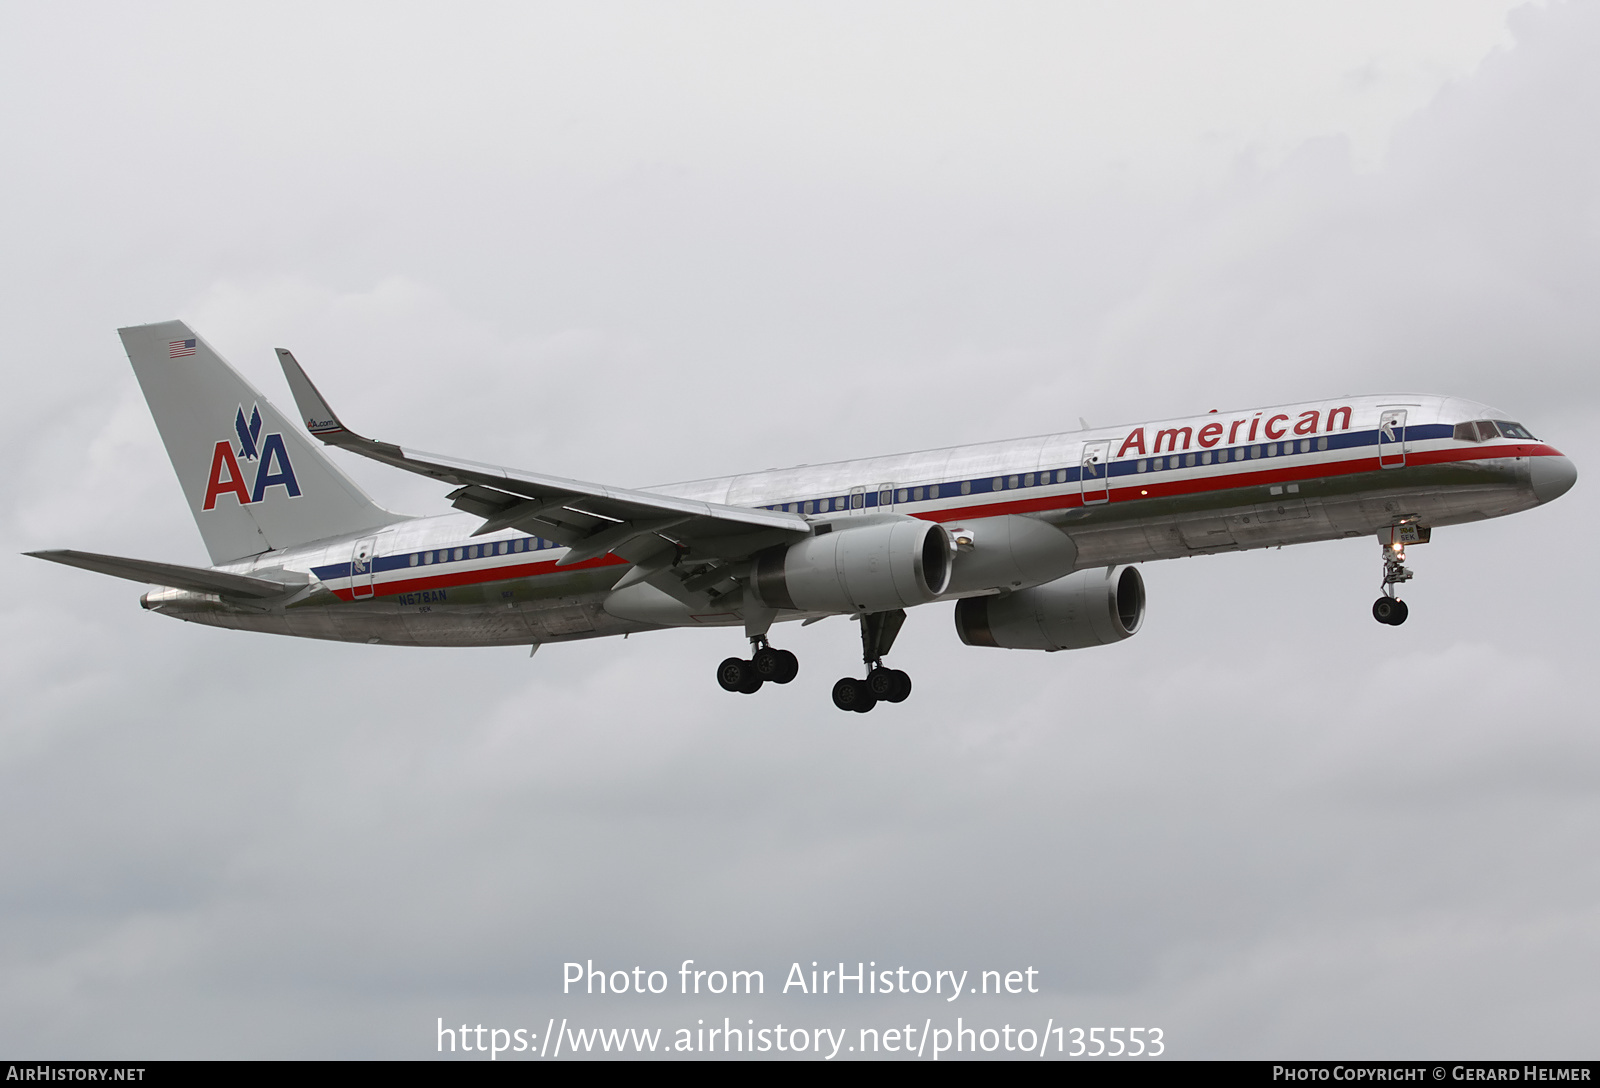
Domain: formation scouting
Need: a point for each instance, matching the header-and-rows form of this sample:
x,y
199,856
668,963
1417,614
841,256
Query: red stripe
x,y
1149,489
475,577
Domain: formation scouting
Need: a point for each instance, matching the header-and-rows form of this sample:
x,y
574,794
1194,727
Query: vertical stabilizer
x,y
253,480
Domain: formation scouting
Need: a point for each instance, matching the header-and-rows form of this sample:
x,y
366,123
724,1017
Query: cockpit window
x,y
1483,430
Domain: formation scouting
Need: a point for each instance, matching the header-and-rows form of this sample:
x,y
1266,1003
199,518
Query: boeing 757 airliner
x,y
1034,540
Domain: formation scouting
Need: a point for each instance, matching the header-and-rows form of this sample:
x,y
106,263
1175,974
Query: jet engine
x,y
875,567
1089,608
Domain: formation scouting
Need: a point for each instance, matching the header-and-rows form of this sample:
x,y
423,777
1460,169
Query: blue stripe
x,y
1072,474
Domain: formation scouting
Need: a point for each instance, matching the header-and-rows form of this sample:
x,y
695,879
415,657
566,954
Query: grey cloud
x,y
1265,824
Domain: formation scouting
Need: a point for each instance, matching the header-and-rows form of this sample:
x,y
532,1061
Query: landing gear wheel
x,y
1390,611
889,685
791,668
779,666
766,663
852,694
753,684
735,674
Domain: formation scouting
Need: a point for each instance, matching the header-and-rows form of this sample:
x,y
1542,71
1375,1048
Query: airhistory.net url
x,y
907,1040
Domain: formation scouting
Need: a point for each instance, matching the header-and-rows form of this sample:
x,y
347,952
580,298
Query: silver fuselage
x,y
1214,483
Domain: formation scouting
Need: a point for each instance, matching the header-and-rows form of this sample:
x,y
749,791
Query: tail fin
x,y
253,480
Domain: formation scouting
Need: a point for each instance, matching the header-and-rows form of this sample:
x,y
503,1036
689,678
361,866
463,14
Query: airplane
x,y
1036,540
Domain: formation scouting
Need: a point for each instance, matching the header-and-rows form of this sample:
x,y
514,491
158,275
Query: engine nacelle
x,y
874,567
1089,608
1008,552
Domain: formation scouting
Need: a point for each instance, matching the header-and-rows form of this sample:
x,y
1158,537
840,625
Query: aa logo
x,y
267,453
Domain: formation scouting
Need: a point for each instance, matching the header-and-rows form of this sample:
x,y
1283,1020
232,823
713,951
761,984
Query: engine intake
x,y
870,568
1089,608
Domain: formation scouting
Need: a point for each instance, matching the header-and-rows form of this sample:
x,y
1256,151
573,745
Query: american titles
x,y
1211,434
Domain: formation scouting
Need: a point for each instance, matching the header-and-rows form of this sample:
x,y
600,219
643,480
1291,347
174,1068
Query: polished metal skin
x,y
529,558
550,603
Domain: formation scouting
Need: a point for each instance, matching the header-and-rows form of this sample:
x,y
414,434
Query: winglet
x,y
319,418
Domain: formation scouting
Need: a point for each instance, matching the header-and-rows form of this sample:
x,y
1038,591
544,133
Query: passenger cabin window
x,y
966,487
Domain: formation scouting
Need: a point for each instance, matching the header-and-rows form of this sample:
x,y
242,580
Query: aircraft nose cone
x,y
1552,477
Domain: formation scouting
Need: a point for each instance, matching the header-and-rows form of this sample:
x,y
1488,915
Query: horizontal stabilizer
x,y
172,574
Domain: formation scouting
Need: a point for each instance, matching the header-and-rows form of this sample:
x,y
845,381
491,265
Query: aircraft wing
x,y
590,519
172,574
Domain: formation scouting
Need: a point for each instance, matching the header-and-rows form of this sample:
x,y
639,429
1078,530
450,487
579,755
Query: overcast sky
x,y
641,243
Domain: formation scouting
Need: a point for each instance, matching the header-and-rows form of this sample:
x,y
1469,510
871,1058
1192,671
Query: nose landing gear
x,y
1390,609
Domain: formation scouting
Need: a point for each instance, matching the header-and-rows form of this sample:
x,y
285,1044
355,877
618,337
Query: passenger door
x,y
1095,472
362,558
1392,438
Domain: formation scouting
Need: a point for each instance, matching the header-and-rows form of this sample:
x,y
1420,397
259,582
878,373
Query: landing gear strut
x,y
765,663
878,631
1390,609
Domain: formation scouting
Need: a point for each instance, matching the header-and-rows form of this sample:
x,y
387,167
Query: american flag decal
x,y
177,349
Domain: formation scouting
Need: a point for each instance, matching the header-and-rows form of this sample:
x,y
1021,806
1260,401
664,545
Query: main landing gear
x,y
1390,609
878,631
766,663
881,685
